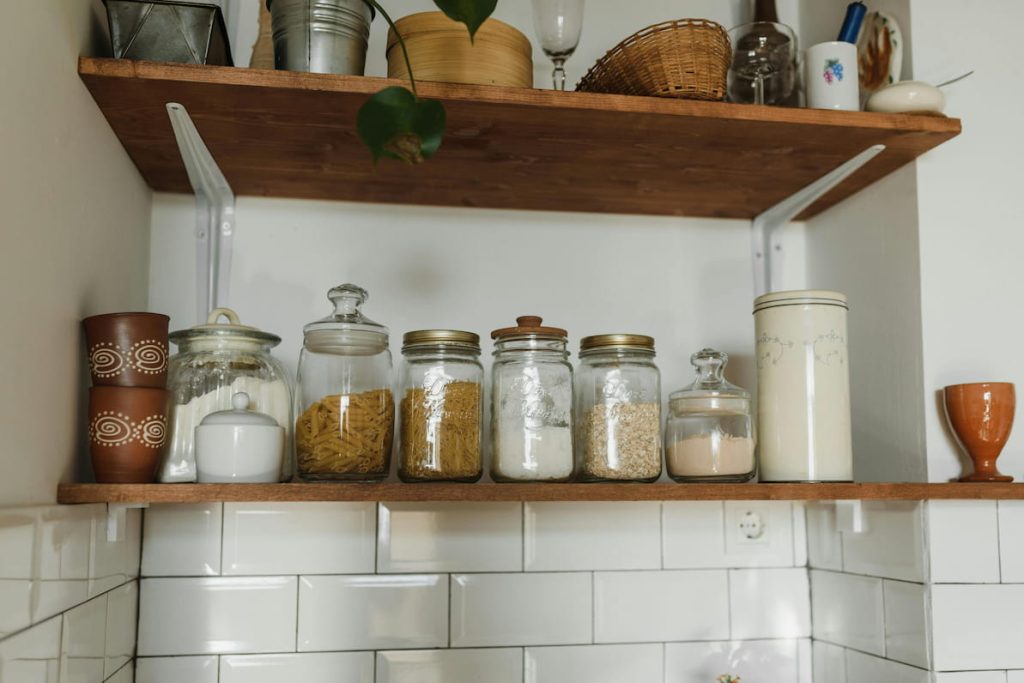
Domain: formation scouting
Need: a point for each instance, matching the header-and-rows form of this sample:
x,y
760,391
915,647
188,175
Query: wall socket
x,y
751,527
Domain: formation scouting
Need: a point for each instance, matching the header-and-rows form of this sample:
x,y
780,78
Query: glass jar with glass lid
x,y
214,362
709,435
441,407
531,403
346,411
618,409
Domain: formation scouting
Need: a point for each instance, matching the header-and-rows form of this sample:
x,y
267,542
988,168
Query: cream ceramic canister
x,y
803,387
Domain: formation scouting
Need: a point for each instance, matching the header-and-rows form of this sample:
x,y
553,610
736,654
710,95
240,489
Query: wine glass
x,y
558,24
763,69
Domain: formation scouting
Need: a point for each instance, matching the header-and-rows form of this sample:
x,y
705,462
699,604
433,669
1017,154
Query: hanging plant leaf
x,y
472,13
395,123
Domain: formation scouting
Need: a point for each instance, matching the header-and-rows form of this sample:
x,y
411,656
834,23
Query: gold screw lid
x,y
530,326
622,341
452,337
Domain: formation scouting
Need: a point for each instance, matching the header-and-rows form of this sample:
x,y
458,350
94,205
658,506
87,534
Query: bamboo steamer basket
x,y
440,50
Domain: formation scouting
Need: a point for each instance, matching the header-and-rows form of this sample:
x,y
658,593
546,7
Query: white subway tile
x,y
314,667
829,663
595,664
824,542
848,610
83,642
113,563
450,537
652,606
492,665
126,674
122,619
906,622
373,612
963,541
217,615
805,660
799,534
570,536
756,661
1011,540
15,605
62,559
977,627
176,670
893,545
298,538
769,603
1014,676
521,609
704,535
863,668
32,656
17,547
182,540
975,677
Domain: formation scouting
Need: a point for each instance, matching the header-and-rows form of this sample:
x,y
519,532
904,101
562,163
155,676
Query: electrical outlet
x,y
751,526
758,533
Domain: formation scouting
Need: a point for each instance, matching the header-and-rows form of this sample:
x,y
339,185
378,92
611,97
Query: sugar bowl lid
x,y
231,331
239,416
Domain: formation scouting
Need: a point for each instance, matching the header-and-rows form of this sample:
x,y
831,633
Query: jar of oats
x,y
618,409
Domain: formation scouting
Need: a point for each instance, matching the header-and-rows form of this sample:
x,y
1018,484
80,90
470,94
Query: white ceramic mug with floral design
x,y
831,78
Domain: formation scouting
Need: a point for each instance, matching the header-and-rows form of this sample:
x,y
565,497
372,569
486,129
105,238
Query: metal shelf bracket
x,y
766,245
117,519
850,517
215,213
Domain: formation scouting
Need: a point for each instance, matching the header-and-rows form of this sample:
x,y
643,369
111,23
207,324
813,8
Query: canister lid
x,y
240,416
231,331
617,341
443,337
346,329
711,386
530,327
800,297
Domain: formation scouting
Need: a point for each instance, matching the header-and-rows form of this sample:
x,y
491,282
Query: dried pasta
x,y
346,436
440,435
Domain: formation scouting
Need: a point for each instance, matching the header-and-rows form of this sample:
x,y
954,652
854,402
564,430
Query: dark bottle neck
x,y
764,10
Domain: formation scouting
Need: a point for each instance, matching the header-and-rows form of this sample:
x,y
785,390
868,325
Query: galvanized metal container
x,y
186,32
321,36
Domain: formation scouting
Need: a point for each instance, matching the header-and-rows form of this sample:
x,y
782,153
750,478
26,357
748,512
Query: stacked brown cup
x,y
128,398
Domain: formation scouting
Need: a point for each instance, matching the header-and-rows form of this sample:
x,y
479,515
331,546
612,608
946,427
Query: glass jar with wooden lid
x,y
441,407
618,409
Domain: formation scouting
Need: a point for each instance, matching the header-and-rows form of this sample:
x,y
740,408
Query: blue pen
x,y
851,24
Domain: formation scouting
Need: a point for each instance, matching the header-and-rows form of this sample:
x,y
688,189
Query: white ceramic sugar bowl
x,y
239,446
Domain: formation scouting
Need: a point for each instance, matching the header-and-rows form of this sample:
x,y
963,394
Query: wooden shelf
x,y
206,493
286,134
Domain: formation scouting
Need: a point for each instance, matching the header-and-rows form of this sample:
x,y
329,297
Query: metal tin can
x,y
321,36
803,386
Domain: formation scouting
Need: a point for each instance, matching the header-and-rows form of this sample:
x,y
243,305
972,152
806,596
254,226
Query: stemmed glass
x,y
558,24
763,67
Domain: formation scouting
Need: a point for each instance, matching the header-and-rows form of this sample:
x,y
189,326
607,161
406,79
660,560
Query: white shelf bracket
x,y
850,517
215,214
117,519
766,244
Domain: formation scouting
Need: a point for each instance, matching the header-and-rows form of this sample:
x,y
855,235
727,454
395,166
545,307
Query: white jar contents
x,y
710,455
533,453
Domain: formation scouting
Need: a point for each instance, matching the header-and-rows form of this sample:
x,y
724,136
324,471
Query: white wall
x,y
75,238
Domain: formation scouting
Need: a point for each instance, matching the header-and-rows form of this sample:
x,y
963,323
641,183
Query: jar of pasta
x,y
441,407
346,411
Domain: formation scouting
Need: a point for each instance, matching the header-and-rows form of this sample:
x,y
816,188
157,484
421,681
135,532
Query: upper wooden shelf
x,y
287,134
206,493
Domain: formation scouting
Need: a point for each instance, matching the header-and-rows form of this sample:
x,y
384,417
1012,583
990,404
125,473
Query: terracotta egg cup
x,y
127,433
127,349
981,417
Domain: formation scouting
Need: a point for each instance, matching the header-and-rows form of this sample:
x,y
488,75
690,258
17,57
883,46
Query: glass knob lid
x,y
347,300
710,365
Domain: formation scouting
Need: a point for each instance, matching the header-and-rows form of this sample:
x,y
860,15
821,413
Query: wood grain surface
x,y
288,134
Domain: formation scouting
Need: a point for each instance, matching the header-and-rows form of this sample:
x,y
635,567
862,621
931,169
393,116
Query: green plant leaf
x,y
472,13
395,123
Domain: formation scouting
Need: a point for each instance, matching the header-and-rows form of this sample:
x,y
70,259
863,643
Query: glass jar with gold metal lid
x,y
441,412
618,409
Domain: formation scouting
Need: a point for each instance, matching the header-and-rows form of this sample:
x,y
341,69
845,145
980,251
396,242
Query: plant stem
x,y
401,42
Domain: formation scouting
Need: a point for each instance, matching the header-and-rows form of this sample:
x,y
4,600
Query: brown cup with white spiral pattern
x,y
127,433
127,349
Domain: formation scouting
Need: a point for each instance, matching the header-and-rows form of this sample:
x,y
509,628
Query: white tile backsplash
x,y
963,541
521,609
829,662
121,622
864,668
760,661
313,667
769,603
568,536
490,665
973,677
83,642
450,537
61,564
773,548
633,607
977,626
706,534
182,540
906,622
126,674
848,610
176,669
112,563
217,615
299,538
595,664
824,542
1011,540
34,655
372,612
893,545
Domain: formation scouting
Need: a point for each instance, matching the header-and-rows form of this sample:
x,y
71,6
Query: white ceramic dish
x,y
239,446
908,97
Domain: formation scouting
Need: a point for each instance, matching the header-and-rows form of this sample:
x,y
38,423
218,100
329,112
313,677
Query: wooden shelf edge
x,y
395,492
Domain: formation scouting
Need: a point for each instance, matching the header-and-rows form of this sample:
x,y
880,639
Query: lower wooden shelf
x,y
299,492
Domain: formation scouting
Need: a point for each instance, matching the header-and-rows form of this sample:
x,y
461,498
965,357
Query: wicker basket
x,y
685,58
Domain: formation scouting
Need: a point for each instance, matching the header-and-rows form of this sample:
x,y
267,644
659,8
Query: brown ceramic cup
x,y
127,433
981,416
127,349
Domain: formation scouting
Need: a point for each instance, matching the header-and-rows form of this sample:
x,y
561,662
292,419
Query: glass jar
x,y
531,403
618,409
709,435
214,362
441,407
346,411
